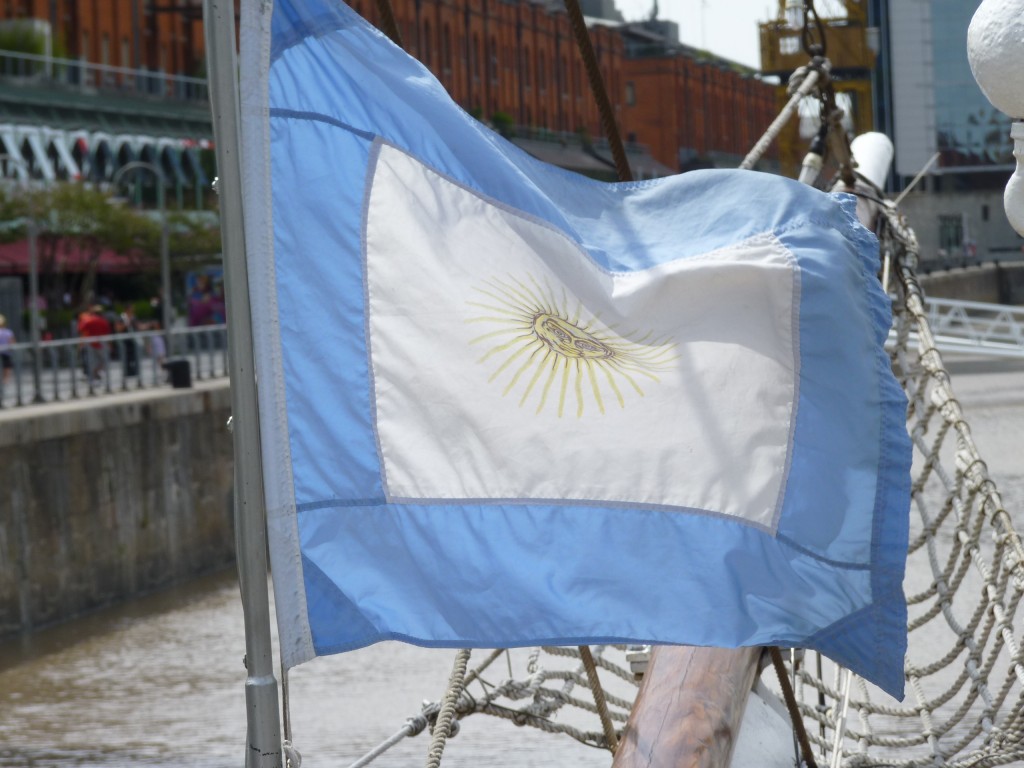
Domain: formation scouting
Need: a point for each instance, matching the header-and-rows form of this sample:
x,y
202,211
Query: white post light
x,y
995,48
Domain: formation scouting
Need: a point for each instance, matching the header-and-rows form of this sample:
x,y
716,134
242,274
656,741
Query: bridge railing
x,y
86,76
975,327
70,369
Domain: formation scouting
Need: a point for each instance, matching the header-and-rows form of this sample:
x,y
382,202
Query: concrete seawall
x,y
111,497
990,283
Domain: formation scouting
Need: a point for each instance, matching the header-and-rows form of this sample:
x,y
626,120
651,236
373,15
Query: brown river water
x,y
159,681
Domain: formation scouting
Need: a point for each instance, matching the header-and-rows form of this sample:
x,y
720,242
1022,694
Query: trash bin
x,y
179,372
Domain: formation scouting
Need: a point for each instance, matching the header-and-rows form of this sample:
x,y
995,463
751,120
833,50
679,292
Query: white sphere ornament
x,y
995,48
1013,196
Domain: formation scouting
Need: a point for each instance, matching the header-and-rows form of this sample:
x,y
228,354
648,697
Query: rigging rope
x,y
604,105
445,718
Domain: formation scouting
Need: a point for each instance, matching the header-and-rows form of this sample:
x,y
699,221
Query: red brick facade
x,y
700,106
512,58
515,58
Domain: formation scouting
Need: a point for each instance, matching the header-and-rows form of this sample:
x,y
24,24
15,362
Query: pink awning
x,y
71,258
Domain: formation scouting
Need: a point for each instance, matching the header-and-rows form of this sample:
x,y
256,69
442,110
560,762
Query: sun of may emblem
x,y
552,353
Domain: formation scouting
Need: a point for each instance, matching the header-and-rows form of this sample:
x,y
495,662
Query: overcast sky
x,y
725,27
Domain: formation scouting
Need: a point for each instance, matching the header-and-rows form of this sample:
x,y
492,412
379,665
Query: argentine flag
x,y
504,405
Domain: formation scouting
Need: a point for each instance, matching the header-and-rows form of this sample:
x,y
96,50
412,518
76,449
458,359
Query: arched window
x,y
446,49
476,58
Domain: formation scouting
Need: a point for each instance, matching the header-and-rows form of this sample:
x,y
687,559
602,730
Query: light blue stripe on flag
x,y
506,405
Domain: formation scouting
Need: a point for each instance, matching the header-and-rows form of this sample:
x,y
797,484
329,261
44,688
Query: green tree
x,y
88,219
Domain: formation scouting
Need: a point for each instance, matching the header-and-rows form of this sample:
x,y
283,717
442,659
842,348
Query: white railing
x,y
70,369
975,327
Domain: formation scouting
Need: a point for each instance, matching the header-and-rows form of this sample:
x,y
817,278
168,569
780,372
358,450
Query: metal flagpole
x,y
263,745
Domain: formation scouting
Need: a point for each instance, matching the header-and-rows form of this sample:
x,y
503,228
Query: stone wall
x,y
111,497
991,283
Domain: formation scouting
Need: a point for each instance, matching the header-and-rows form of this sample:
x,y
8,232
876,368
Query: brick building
x,y
512,62
514,59
694,110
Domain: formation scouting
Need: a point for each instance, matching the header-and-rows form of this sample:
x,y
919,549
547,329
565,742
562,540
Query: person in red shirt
x,y
92,323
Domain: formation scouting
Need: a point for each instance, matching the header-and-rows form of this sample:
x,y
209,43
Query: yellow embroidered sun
x,y
545,345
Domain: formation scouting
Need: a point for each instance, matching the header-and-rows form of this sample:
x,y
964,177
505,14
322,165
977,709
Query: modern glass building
x,y
936,103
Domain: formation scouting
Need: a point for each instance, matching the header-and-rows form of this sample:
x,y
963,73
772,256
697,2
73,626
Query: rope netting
x,y
965,578
555,679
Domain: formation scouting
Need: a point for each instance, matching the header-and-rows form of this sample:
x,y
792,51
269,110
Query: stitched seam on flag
x,y
794,334
311,506
784,539
260,234
713,255
610,504
316,117
459,641
371,176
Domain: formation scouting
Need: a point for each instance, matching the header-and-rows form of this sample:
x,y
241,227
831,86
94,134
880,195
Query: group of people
x,y
6,342
96,322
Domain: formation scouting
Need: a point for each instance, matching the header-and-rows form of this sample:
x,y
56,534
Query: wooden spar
x,y
688,711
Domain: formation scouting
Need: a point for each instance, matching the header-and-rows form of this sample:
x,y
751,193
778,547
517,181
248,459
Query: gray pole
x,y
263,741
33,314
33,282
165,264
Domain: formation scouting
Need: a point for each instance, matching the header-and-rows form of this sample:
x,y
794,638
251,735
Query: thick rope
x,y
599,699
442,728
792,707
604,105
388,24
806,80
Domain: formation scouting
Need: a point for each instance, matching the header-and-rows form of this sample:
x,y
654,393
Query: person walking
x,y
130,346
6,342
92,323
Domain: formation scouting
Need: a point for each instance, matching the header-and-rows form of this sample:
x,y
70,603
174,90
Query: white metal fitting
x,y
1013,196
995,48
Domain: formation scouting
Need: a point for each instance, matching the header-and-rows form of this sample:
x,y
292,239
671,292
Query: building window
x,y
526,68
476,59
426,43
542,81
951,233
630,94
493,59
446,49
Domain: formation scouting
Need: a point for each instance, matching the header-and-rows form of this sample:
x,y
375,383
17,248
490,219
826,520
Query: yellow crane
x,y
851,47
